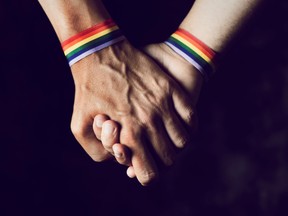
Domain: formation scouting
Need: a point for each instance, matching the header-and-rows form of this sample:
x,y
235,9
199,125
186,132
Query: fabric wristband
x,y
194,51
91,40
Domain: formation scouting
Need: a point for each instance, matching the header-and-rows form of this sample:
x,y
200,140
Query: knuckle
x,y
164,84
148,177
145,117
77,129
182,142
190,113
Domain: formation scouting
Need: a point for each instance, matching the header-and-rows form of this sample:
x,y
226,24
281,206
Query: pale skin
x,y
157,112
153,110
214,22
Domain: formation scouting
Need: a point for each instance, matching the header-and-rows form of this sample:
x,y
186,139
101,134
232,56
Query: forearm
x,y
216,21
69,17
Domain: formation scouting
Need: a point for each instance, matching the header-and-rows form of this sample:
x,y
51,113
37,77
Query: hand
x,y
151,108
181,71
187,76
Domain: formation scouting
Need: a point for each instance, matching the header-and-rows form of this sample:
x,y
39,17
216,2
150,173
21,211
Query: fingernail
x,y
99,123
108,129
118,154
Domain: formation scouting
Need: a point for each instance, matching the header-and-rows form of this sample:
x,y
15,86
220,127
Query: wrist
x,y
91,40
193,51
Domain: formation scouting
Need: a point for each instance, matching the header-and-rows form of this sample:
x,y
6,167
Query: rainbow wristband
x,y
194,51
91,40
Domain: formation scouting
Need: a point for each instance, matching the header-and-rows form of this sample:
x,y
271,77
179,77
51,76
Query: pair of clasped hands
x,y
137,106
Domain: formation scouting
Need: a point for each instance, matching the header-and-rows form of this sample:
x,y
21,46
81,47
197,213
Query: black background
x,y
238,166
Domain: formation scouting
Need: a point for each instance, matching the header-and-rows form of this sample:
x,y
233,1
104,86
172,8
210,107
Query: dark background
x,y
238,166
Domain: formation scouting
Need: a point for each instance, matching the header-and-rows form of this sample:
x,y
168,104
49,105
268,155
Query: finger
x,y
97,124
161,142
122,154
176,129
185,108
130,172
82,129
144,167
109,135
143,163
